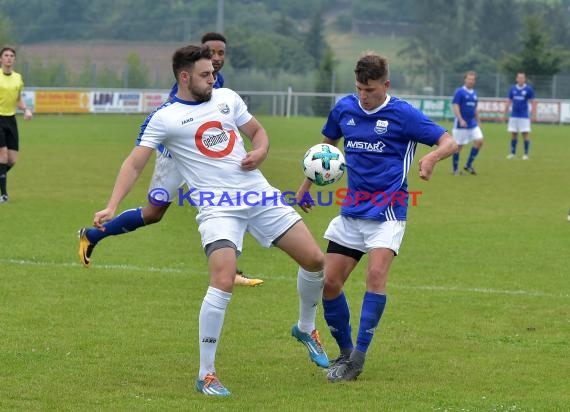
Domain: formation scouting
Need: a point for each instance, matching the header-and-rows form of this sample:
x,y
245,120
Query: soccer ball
x,y
323,164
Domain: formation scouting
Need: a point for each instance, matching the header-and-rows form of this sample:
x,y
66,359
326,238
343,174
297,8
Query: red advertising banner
x,y
152,100
491,110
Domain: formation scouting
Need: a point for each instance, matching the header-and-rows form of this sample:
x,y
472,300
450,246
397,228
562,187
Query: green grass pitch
x,y
478,314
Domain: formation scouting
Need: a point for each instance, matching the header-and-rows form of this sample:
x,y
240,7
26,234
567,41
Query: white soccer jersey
x,y
205,143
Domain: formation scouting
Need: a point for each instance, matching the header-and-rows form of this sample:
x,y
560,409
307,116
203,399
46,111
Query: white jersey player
x,y
200,128
164,185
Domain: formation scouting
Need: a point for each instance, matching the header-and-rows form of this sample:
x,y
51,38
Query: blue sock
x,y
472,156
526,146
126,222
337,315
514,146
455,161
372,308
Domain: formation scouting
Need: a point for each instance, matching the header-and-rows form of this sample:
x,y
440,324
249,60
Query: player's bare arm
x,y
130,171
21,104
507,109
260,142
457,113
446,146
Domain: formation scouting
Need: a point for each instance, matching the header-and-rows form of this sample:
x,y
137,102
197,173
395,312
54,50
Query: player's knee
x,y
376,279
313,260
153,214
150,218
333,286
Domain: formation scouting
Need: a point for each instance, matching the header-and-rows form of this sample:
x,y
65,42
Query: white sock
x,y
310,288
210,324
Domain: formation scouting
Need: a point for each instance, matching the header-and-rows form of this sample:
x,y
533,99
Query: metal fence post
x,y
289,95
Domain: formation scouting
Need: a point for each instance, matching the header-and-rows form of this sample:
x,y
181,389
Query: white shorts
x,y
466,136
364,234
166,179
265,223
519,125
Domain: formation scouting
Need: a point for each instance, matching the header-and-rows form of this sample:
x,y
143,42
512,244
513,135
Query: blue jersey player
x,y
466,124
380,134
521,96
165,182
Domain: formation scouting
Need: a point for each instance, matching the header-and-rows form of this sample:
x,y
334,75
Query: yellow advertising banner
x,y
62,102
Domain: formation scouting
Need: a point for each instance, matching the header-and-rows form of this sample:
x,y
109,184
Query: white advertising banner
x,y
116,102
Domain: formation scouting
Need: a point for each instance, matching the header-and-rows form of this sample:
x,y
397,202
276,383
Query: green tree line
x,y
271,38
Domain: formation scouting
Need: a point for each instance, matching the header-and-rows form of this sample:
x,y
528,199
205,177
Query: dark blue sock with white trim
x,y
372,309
337,316
126,222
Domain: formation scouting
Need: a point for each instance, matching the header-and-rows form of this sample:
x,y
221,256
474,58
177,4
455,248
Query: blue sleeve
x,y
331,129
530,93
457,97
511,93
421,128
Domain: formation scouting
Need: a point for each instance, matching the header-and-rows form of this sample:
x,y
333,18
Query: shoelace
x,y
317,339
212,381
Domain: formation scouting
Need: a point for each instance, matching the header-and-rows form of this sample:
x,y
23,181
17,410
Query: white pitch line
x,y
24,262
134,268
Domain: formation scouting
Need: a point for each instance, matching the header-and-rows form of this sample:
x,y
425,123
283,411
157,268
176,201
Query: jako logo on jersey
x,y
371,147
187,120
209,340
381,126
224,108
212,134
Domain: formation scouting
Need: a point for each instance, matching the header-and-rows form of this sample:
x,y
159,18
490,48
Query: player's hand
x,y
427,163
28,114
301,199
102,216
253,159
463,123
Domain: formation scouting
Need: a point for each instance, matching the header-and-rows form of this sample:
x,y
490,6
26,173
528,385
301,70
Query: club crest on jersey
x,y
381,126
224,108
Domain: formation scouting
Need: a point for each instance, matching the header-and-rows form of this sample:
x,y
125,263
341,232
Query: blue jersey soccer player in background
x,y
466,124
521,96
380,133
165,178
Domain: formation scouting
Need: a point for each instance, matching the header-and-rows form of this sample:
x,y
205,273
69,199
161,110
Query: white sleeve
x,y
153,131
242,116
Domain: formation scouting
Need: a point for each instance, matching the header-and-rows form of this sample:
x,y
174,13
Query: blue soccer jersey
x,y
520,97
379,148
467,101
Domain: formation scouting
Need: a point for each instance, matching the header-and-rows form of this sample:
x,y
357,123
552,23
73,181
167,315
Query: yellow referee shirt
x,y
10,88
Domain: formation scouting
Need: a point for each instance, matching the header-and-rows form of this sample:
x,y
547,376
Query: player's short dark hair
x,y
7,48
185,57
470,73
213,36
371,66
